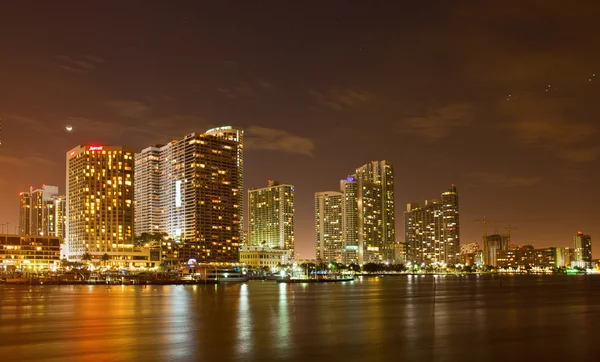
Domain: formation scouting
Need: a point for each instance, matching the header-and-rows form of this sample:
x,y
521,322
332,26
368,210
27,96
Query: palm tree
x,y
86,257
105,258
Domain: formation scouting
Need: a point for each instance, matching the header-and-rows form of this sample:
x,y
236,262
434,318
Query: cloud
x,y
33,160
552,124
129,108
263,138
498,179
78,65
439,123
338,98
255,88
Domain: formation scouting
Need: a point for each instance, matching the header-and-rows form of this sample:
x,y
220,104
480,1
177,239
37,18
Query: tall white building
x,y
271,216
193,192
148,210
348,188
328,226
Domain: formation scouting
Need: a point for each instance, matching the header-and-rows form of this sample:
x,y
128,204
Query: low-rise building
x,y
29,253
259,257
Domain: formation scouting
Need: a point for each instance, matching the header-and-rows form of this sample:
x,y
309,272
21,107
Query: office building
x,y
582,251
328,226
147,191
41,212
191,188
271,216
100,207
432,231
491,244
258,257
29,253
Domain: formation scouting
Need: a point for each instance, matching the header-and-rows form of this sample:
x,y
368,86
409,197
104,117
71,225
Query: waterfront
x,y
427,318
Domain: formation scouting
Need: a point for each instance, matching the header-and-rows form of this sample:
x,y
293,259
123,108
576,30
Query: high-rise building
x,y
328,226
491,244
432,231
100,204
60,216
148,210
376,213
348,188
582,254
194,192
38,214
271,216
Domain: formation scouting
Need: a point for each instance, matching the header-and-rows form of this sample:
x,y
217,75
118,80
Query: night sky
x,y
498,97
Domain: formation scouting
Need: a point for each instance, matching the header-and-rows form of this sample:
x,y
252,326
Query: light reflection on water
x,y
374,319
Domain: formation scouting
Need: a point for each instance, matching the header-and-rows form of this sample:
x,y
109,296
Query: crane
x,y
510,228
485,221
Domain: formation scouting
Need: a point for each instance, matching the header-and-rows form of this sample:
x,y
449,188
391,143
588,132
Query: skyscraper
x,y
38,214
328,226
196,182
376,213
348,188
271,216
582,254
432,231
147,191
100,205
491,245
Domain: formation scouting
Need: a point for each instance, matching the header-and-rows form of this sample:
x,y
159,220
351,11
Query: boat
x,y
223,275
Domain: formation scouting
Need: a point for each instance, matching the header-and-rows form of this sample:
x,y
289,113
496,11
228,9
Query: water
x,y
508,318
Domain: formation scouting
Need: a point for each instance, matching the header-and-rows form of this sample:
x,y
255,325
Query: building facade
x,y
41,212
199,199
582,251
29,253
491,244
432,231
271,216
526,257
100,208
376,212
348,189
258,257
147,191
328,226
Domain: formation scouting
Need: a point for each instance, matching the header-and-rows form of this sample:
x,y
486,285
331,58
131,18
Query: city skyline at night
x,y
505,109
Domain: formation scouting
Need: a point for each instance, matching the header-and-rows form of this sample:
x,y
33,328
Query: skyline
x,y
496,111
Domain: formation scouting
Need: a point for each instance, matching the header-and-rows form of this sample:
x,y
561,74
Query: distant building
x,y
348,189
491,244
147,191
328,226
564,256
432,231
582,251
271,216
469,248
41,212
400,253
263,257
376,212
526,257
29,253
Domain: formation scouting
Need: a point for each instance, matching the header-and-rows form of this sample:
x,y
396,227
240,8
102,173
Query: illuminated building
x,y
200,178
376,214
41,212
491,244
147,191
348,188
328,226
400,253
526,257
60,216
432,231
582,251
564,256
271,216
29,253
258,257
100,203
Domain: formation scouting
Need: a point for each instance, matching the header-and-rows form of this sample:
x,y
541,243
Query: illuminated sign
x,y
95,148
72,153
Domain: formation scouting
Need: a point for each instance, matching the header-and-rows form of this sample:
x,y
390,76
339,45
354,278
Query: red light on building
x,y
95,148
72,153
580,233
